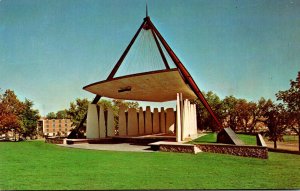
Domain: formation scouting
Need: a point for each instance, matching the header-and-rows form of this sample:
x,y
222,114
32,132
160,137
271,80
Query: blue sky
x,y
50,49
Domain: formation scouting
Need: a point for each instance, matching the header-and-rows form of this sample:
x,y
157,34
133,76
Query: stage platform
x,y
145,143
137,140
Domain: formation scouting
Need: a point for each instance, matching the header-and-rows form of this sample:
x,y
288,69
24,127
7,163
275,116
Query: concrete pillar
x,y
189,129
155,121
102,127
141,122
122,121
189,120
132,125
178,118
92,128
184,120
192,120
110,122
148,121
162,120
195,120
170,120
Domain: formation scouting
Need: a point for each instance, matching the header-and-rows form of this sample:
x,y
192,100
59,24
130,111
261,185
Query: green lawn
x,y
248,139
37,165
208,138
212,138
290,138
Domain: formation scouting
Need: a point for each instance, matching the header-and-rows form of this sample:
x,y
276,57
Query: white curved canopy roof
x,y
155,86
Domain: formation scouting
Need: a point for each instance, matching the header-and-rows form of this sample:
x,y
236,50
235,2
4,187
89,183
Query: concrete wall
x,y
155,121
178,118
141,119
134,122
170,120
110,123
162,120
131,122
100,123
56,140
189,121
177,148
148,121
245,151
92,123
186,126
122,122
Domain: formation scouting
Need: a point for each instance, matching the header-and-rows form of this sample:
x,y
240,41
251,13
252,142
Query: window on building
x,y
59,125
47,121
60,121
53,125
66,125
47,130
47,126
53,120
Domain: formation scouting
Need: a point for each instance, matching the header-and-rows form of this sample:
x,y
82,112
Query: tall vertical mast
x,y
146,9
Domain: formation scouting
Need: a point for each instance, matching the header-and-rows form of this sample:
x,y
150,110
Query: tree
x,y
12,103
243,112
291,99
117,103
10,112
276,120
230,115
77,110
241,115
9,122
106,104
62,114
204,119
250,113
128,104
16,116
258,112
29,118
51,115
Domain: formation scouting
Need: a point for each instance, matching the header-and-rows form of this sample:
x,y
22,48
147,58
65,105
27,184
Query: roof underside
x,y
156,86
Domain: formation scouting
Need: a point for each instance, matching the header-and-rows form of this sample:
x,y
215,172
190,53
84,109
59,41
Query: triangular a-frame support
x,y
148,25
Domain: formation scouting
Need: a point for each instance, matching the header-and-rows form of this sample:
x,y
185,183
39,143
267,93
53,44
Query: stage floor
x,y
110,147
138,140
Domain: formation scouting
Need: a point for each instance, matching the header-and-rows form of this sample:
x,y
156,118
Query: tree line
x,y
273,118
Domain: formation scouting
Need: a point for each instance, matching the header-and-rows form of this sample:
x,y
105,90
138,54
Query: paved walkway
x,y
110,147
284,145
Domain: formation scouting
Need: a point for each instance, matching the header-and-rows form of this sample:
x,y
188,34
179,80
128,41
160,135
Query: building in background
x,y
55,127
